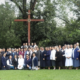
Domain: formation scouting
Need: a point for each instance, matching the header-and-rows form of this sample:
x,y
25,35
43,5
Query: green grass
x,y
40,75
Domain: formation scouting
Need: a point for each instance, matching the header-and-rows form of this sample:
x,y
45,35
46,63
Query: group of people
x,y
30,56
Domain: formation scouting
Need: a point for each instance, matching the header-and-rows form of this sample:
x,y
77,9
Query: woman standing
x,y
75,57
63,56
53,57
47,55
58,58
68,55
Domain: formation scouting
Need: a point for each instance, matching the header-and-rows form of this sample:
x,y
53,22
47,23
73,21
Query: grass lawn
x,y
40,75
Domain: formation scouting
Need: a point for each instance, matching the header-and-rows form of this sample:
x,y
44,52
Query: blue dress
x,y
48,62
75,60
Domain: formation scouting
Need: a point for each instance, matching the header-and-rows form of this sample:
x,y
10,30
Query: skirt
x,y
58,63
53,62
75,63
48,63
38,63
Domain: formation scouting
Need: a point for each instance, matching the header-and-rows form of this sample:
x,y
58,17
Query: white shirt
x,y
68,52
52,56
20,61
8,63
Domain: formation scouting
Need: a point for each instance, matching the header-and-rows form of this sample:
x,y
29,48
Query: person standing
x,y
58,58
68,55
42,58
47,55
38,56
76,57
4,65
21,52
53,57
63,57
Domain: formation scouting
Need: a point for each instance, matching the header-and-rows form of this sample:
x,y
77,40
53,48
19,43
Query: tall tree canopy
x,y
13,34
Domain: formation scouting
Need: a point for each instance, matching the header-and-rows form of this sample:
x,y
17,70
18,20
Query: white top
x,y
35,46
52,56
20,61
8,63
68,52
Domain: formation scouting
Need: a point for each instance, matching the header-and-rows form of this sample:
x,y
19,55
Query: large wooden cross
x,y
29,20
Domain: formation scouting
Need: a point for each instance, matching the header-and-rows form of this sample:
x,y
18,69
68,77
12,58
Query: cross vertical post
x,y
29,26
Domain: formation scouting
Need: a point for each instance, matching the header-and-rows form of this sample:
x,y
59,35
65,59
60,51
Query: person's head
x,y
23,44
57,49
63,47
20,56
3,49
46,48
16,50
71,46
12,50
59,46
26,49
26,43
4,54
27,56
68,46
9,49
42,48
29,49
32,44
77,44
15,56
0,50
21,49
10,57
37,48
34,54
32,49
50,48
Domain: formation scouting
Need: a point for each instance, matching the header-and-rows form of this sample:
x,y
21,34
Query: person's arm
x,y
3,63
77,54
8,63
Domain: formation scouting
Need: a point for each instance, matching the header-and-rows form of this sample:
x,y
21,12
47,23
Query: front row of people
x,y
20,63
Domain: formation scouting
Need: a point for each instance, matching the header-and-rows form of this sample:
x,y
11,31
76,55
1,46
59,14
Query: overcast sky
x,y
70,13
2,1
